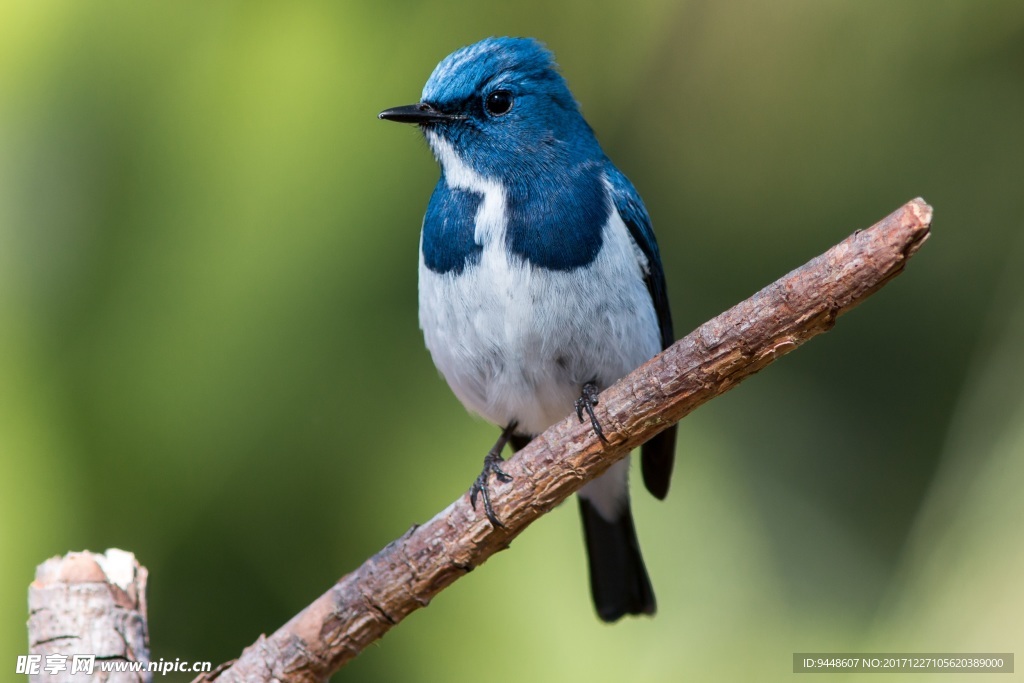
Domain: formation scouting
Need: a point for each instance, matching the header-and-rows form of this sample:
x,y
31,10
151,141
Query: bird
x,y
540,280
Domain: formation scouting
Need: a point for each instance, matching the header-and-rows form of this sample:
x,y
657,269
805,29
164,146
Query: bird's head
x,y
502,108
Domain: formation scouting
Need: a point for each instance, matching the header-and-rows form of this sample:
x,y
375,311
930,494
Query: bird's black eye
x,y
499,102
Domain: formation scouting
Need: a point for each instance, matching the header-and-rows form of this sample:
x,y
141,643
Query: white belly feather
x,y
515,342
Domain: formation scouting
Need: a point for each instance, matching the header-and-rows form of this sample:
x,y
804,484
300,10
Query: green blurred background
x,y
209,351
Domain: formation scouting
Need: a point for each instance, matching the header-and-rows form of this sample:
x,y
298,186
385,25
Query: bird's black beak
x,y
416,113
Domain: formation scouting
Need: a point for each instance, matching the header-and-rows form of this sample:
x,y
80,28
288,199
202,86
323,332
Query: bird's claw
x,y
586,402
492,464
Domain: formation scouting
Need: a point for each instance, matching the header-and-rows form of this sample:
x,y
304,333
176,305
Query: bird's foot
x,y
586,402
492,465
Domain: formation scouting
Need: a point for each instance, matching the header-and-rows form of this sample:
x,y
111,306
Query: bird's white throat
x,y
490,216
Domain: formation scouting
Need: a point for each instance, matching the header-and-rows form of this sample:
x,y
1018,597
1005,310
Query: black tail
x,y
656,462
618,578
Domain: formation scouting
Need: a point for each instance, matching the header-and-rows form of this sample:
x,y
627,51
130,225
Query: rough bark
x,y
88,604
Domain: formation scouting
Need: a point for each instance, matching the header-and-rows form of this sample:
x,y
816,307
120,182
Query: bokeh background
x,y
209,351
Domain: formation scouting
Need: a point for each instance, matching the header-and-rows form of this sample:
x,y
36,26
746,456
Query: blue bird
x,y
540,282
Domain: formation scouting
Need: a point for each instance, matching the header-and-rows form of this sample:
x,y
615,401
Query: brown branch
x,y
88,604
712,359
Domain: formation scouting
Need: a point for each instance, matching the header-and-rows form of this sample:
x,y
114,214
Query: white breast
x,y
516,342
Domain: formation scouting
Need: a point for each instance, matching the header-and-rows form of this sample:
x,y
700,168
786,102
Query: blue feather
x,y
558,226
634,214
447,241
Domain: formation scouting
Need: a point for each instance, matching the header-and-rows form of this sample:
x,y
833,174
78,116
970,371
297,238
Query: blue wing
x,y
634,214
658,454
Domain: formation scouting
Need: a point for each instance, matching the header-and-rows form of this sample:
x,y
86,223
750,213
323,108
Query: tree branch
x,y
709,361
88,604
